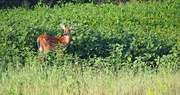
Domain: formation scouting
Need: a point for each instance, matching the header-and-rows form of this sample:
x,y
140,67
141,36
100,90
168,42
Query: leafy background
x,y
132,35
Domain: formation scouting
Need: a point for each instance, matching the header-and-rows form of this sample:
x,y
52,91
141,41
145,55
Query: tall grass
x,y
76,80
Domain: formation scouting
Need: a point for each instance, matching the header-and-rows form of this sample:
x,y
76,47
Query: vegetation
x,y
71,80
51,3
131,48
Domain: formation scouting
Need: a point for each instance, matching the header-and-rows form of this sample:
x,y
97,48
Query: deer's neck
x,y
65,39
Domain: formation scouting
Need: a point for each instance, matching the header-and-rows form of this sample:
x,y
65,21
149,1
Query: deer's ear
x,y
62,26
72,26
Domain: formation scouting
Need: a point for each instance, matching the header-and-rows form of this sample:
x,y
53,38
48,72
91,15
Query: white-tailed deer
x,y
47,43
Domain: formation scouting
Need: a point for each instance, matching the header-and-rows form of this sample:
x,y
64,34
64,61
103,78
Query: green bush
x,y
133,35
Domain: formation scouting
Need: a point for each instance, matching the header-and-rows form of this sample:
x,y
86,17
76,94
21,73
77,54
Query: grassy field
x,y
125,49
74,80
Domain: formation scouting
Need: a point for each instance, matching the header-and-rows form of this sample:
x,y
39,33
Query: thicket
x,y
136,35
51,3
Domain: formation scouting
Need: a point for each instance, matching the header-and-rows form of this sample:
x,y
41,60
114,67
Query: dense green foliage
x,y
51,3
134,35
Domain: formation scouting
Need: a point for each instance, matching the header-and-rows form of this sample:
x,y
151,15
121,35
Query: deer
x,y
48,43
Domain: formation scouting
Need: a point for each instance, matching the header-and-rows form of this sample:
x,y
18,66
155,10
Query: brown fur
x,y
47,43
